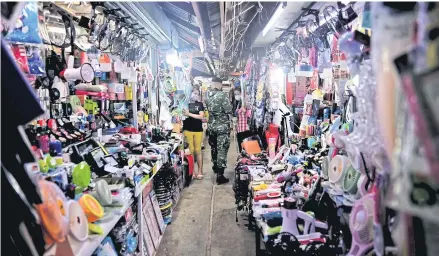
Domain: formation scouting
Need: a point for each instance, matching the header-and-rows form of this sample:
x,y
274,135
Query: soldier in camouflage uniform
x,y
218,128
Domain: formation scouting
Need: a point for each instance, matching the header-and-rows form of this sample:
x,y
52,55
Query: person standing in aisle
x,y
193,128
218,128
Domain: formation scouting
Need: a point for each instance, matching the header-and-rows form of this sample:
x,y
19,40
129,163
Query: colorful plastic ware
x,y
53,212
92,209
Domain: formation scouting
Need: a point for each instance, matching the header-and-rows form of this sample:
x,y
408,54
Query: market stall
x,y
335,123
313,175
109,169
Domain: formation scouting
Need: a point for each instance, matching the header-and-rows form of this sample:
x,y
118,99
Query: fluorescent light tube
x,y
273,19
201,43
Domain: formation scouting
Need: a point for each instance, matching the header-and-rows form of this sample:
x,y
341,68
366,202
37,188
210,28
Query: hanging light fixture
x,y
201,43
172,58
279,10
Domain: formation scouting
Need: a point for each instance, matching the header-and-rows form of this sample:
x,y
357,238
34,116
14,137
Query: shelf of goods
x,y
139,192
89,246
141,186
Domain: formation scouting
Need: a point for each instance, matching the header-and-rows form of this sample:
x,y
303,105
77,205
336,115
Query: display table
x,y
89,246
139,191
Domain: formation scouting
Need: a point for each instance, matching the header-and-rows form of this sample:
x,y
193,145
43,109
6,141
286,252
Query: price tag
x,y
243,176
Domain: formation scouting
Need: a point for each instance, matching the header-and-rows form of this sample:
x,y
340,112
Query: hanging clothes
x,y
243,116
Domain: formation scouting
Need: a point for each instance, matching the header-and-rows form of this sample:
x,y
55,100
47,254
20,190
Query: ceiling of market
x,y
291,12
227,31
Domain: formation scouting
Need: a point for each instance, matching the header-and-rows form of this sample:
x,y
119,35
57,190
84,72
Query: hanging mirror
x,y
54,27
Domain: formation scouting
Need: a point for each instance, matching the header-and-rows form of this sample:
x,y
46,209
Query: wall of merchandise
x,y
317,174
110,170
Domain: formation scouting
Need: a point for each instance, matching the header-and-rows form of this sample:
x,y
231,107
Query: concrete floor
x,y
204,222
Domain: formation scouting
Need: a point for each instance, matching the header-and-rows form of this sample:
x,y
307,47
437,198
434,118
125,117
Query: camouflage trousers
x,y
219,143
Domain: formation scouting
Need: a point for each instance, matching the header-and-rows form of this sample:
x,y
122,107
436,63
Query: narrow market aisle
x,y
204,221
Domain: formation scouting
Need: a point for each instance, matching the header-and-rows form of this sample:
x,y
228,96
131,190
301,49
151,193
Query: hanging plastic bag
x,y
37,65
165,117
19,53
26,27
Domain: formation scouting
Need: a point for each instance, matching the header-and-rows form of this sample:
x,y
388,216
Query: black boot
x,y
220,179
215,169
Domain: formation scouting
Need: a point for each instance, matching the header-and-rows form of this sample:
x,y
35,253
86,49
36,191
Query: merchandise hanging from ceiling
x,y
94,141
334,116
320,172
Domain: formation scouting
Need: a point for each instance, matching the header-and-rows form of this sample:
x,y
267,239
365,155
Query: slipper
x,y
200,176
